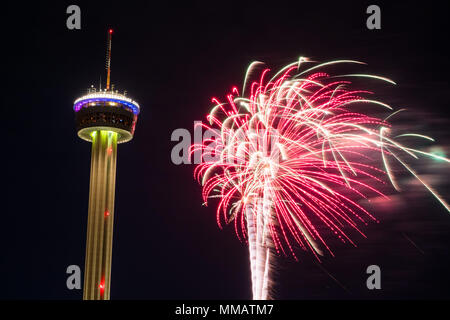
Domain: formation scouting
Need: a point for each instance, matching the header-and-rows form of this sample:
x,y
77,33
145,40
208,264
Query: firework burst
x,y
292,158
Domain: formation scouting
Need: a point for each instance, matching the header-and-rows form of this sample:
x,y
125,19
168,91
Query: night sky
x,y
172,58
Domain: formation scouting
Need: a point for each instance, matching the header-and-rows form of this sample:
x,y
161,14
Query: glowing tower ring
x,y
106,111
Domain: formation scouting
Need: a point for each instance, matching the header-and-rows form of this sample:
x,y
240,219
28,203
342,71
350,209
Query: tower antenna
x,y
108,59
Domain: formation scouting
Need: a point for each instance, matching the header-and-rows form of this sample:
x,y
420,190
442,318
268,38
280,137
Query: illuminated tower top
x,y
106,109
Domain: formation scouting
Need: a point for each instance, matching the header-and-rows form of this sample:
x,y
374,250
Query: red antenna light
x,y
110,31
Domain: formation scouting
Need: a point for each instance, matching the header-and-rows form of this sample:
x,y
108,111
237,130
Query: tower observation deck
x,y
105,118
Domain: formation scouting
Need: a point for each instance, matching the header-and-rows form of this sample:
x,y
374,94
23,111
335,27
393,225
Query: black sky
x,y
172,58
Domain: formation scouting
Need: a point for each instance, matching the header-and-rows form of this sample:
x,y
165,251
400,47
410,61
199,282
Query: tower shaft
x,y
97,276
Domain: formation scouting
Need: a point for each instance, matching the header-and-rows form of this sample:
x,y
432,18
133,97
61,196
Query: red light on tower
x,y
101,286
110,31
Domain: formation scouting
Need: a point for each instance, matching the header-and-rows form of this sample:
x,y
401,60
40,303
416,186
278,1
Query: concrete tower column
x,y
97,272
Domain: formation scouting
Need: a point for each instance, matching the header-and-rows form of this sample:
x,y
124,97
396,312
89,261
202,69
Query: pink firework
x,y
290,158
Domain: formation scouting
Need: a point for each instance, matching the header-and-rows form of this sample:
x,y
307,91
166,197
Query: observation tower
x,y
105,118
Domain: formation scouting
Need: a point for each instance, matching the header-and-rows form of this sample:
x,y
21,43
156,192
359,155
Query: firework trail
x,y
293,156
